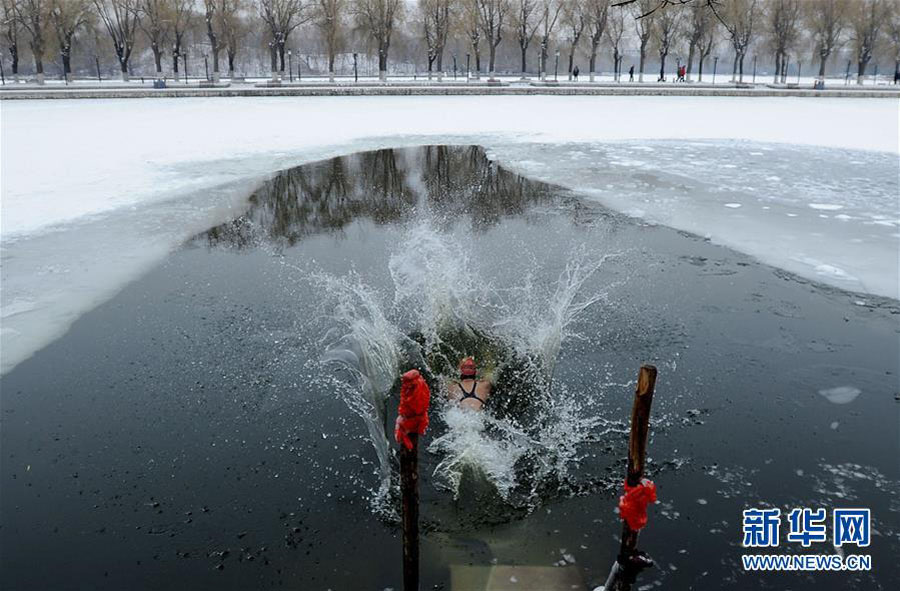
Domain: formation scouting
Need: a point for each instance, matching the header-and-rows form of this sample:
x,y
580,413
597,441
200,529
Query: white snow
x,y
95,192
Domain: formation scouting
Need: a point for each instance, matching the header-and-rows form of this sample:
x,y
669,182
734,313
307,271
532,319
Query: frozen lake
x,y
807,185
214,422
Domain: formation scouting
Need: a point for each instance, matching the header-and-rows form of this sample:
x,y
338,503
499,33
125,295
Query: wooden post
x,y
409,488
630,561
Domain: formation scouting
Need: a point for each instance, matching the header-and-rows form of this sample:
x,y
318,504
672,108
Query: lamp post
x,y
2,73
355,70
99,79
467,67
799,68
454,66
754,69
556,68
184,57
715,67
206,66
291,66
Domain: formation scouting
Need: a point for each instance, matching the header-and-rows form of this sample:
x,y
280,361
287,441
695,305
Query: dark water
x,y
183,435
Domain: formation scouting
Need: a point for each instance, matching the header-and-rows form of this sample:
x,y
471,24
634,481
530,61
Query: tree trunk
x,y
700,69
641,72
492,54
382,62
593,61
543,68
14,57
861,71
822,60
784,68
734,68
157,59
123,65
430,59
690,62
524,50
331,65
616,72
281,58
273,58
662,66
440,65
741,68
571,62
477,63
777,66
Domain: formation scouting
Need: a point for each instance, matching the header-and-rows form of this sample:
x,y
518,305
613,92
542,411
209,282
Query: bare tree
x,y
378,18
825,20
596,13
782,20
893,22
665,32
706,44
551,11
329,20
120,18
644,12
471,25
32,14
490,16
436,21
524,19
212,12
182,14
739,19
700,19
281,18
615,31
866,20
575,20
67,17
11,28
153,17
234,28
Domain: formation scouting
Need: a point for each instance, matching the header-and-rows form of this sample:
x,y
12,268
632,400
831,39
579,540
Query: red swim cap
x,y
467,367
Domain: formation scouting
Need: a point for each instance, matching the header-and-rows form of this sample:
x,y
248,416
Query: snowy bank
x,y
96,191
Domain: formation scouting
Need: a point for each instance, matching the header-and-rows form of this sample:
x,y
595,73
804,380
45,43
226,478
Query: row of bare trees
x,y
778,29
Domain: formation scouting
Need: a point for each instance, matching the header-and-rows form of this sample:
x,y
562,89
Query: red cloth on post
x,y
412,414
633,504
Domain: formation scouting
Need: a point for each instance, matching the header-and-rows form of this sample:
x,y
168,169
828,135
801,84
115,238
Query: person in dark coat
x,y
575,73
631,73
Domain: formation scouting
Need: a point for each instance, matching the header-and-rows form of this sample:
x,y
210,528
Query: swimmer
x,y
469,391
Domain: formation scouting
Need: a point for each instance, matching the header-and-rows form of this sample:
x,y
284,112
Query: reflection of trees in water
x,y
383,186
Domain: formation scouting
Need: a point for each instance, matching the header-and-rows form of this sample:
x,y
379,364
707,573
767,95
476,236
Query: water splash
x,y
364,343
441,309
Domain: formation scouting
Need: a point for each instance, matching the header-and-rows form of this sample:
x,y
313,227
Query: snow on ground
x,y
94,192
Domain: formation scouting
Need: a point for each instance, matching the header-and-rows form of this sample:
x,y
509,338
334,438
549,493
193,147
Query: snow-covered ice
x,y
94,192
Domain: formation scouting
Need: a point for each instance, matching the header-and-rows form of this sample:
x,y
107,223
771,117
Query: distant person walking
x,y
631,73
575,73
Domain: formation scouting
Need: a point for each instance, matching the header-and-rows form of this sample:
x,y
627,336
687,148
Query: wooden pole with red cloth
x,y
412,420
639,492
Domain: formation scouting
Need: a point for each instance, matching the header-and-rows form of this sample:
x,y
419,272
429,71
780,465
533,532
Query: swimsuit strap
x,y
470,394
